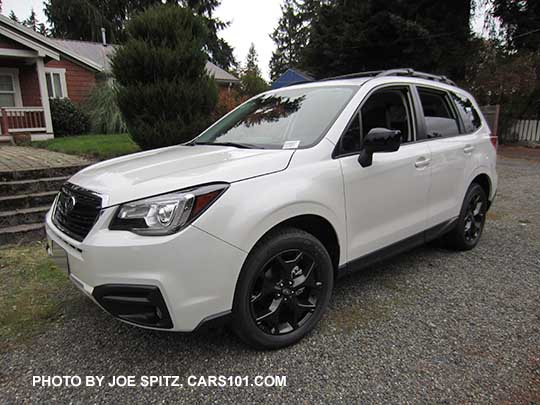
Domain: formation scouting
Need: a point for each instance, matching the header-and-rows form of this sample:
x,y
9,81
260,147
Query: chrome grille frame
x,y
78,220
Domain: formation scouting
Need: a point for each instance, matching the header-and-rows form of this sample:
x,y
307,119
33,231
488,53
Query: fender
x,y
482,169
251,208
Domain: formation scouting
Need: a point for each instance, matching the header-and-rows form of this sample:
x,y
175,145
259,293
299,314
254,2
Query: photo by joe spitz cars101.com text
x,y
252,221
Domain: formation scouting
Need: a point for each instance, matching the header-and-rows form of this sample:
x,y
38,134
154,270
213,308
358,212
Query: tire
x,y
471,220
283,289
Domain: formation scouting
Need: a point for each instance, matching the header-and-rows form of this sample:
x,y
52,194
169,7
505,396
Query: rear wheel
x,y
283,290
470,224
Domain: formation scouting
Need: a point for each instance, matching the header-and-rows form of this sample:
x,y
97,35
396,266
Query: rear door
x,y
385,202
451,153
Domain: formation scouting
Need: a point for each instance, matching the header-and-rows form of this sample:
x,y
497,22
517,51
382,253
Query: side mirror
x,y
378,140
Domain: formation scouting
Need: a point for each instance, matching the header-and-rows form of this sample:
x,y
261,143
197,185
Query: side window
x,y
389,108
440,118
469,115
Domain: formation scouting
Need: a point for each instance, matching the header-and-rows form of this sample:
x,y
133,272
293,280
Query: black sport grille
x,y
76,211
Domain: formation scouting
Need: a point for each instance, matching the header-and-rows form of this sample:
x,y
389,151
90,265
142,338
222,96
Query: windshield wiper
x,y
233,144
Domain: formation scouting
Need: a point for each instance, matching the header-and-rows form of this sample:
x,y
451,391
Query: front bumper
x,y
184,278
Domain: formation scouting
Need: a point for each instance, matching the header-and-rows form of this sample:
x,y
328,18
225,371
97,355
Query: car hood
x,y
159,171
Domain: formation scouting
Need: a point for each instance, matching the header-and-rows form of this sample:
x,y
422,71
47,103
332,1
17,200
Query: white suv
x,y
253,220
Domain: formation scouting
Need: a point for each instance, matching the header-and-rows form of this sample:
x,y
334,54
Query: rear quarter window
x,y
469,116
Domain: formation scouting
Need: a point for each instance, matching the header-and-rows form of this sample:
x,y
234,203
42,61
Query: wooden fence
x,y
511,129
521,130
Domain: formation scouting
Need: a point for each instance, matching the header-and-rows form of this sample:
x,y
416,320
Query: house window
x,y
56,82
10,93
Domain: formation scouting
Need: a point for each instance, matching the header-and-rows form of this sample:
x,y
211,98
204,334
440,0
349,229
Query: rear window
x,y
440,118
469,116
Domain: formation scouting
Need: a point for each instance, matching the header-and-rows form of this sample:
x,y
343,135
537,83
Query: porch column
x,y
44,96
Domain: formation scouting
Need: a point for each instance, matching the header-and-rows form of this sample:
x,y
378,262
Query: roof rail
x,y
394,72
414,73
372,73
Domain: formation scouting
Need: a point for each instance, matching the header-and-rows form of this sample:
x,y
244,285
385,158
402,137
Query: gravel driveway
x,y
428,326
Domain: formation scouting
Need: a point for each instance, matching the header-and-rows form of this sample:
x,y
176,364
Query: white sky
x,y
251,21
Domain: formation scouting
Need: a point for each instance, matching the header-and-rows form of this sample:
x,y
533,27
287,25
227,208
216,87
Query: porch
x,y
24,97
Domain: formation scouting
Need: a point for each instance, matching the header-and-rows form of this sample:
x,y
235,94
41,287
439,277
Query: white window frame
x,y
14,73
63,84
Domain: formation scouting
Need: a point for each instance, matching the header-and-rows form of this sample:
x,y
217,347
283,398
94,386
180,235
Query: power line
x,y
527,33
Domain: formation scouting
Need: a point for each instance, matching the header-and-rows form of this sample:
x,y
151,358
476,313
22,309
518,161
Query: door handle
x,y
422,162
468,149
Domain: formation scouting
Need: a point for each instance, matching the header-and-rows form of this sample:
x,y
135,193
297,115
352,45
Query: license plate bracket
x,y
58,255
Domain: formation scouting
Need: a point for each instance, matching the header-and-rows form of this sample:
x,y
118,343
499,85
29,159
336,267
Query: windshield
x,y
287,119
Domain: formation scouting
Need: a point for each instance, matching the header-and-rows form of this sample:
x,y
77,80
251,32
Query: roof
x,y
94,55
101,54
292,76
94,51
46,47
219,74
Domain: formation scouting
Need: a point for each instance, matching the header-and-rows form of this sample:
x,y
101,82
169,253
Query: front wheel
x,y
472,217
283,290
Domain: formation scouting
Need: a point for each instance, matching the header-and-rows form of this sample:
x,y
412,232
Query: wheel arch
x,y
316,225
484,181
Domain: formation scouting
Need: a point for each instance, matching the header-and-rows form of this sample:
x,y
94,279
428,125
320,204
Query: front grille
x,y
76,211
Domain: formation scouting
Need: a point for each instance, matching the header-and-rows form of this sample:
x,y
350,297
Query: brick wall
x,y
79,80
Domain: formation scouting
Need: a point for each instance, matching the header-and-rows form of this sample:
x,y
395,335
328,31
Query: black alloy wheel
x,y
471,220
474,218
283,289
286,292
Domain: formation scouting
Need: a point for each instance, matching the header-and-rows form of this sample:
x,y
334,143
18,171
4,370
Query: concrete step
x,y
16,187
23,216
21,233
61,171
11,203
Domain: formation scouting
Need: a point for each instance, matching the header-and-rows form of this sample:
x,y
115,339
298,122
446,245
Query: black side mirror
x,y
378,140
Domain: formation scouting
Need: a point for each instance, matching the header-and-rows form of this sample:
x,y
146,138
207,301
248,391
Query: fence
x,y
511,129
492,114
521,130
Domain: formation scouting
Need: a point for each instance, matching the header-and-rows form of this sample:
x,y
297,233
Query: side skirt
x,y
396,248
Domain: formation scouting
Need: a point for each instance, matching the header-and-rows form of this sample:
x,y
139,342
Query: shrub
x,y
67,118
228,101
103,112
164,92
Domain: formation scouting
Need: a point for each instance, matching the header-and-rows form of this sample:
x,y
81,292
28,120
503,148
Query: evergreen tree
x,y
220,52
251,80
349,36
292,34
31,22
13,17
83,20
521,21
42,29
289,37
164,94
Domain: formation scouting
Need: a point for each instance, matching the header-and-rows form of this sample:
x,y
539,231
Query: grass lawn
x,y
32,295
99,147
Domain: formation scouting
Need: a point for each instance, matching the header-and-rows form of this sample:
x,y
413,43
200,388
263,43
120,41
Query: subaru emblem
x,y
70,203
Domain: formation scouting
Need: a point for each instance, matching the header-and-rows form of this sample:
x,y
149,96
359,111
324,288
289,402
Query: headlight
x,y
167,213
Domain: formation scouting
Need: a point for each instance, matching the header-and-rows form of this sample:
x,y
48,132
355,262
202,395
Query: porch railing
x,y
22,119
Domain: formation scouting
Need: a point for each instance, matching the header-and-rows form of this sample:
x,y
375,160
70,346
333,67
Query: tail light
x,y
495,141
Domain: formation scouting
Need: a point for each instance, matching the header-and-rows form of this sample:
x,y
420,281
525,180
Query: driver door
x,y
387,201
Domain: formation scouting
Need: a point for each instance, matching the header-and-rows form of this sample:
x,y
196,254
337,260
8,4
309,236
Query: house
x,y
34,68
290,77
